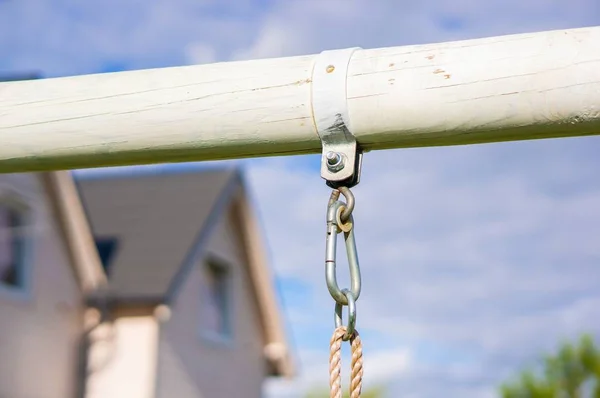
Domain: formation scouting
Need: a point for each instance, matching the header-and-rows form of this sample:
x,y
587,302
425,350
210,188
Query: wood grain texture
x,y
516,87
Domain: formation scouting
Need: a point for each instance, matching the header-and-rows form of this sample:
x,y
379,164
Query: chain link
x,y
351,314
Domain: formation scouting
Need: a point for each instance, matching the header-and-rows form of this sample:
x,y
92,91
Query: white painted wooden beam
x,y
515,87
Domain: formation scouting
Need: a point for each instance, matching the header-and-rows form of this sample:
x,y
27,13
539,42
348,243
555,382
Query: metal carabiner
x,y
351,314
335,226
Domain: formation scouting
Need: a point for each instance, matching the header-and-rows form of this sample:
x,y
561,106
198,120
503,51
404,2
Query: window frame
x,y
13,198
212,263
115,243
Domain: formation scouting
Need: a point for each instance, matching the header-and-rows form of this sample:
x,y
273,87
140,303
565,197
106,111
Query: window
x,y
12,246
216,314
106,251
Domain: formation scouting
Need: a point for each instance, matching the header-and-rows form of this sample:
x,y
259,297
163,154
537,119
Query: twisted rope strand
x,y
335,364
356,365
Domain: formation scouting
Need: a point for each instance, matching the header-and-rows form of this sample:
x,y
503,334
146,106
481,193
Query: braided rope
x,y
335,364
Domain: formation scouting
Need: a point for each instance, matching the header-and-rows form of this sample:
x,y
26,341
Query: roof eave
x,y
75,230
277,350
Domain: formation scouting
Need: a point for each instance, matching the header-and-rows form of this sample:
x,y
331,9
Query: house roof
x,y
131,211
128,211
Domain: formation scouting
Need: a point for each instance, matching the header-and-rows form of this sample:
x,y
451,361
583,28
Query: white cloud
x,y
201,53
298,27
71,37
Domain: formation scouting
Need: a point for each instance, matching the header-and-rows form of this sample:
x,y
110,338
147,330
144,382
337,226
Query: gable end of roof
x,y
203,236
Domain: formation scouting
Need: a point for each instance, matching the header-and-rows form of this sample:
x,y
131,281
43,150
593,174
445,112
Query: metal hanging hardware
x,y
335,225
339,219
341,162
341,158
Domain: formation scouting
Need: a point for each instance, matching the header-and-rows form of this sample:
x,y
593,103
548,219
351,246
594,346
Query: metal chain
x,y
339,219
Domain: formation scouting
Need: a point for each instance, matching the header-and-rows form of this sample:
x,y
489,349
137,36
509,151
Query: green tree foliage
x,y
573,372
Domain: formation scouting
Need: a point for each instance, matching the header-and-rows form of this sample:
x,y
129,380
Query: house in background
x,y
135,286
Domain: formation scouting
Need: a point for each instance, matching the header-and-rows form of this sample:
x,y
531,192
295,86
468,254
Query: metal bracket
x,y
341,159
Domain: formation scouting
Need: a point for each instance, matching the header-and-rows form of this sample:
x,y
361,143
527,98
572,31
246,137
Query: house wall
x,y
40,328
191,365
123,359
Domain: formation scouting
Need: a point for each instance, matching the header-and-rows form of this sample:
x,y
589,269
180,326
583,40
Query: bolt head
x,y
334,161
333,158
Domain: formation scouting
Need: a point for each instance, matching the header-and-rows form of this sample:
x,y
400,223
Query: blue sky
x,y
475,259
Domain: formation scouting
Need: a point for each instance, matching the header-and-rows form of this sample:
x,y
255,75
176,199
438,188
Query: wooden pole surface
x,y
507,88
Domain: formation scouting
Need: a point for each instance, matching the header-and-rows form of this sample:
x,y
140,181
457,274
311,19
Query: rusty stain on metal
x,y
391,65
447,76
438,71
330,68
430,57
